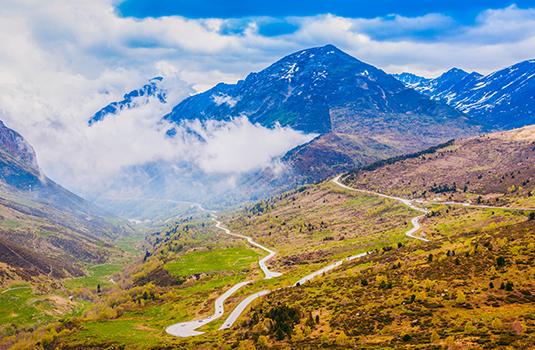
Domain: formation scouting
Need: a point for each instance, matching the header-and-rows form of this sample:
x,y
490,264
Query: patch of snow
x,y
320,75
481,85
290,72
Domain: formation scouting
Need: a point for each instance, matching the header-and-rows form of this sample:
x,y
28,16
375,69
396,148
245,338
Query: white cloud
x,y
240,146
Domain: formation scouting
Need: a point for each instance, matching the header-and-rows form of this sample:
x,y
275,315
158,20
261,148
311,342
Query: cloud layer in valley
x,y
62,61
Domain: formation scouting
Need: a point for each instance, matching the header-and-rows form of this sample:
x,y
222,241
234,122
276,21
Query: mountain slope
x,y
324,90
11,142
44,228
494,169
501,100
411,80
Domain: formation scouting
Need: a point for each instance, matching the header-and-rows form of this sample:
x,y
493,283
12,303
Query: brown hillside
x,y
497,168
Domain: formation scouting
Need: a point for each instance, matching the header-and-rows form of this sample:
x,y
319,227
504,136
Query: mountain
x,y
45,230
134,98
345,101
501,100
410,79
11,142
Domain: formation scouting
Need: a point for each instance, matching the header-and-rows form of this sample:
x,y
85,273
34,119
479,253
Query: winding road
x,y
414,221
188,329
262,262
470,205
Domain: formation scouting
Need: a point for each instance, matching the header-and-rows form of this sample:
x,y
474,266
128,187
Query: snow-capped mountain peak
x,y
132,99
500,100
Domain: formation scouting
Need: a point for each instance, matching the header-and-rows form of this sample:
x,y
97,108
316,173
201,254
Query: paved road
x,y
188,329
415,220
241,307
470,205
410,202
328,268
262,262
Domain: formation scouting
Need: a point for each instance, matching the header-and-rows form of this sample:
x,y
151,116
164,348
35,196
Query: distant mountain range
x,y
504,99
44,228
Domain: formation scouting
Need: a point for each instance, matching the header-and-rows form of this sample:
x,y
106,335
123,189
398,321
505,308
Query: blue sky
x,y
274,18
463,11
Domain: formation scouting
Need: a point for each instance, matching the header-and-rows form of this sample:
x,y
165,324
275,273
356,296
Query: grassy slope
x,y
229,259
410,297
116,319
25,306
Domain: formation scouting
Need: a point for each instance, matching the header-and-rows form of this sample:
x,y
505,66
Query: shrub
x,y
342,339
497,323
461,298
500,261
285,318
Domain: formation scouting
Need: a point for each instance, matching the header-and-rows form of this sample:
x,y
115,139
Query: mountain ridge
x,y
500,100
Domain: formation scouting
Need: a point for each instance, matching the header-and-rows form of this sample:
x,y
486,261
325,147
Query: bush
x,y
342,339
406,337
461,298
500,261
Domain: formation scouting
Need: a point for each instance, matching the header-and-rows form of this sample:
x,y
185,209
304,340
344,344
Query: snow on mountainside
x,y
504,99
411,80
133,99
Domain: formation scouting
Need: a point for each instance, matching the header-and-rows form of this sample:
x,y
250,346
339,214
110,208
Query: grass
x,y
129,244
19,305
121,331
101,273
343,223
97,274
229,259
